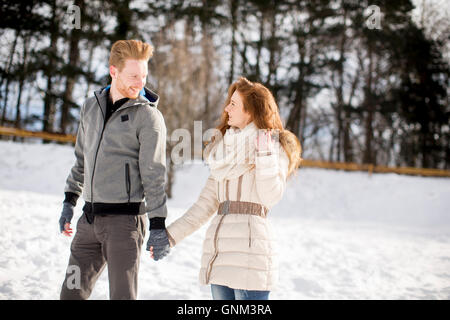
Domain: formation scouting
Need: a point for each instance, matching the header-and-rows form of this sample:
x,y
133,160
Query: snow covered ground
x,y
341,235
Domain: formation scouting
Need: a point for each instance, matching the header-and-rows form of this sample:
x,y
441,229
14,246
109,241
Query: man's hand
x,y
66,217
158,244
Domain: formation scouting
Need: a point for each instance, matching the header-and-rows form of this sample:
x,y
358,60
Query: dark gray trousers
x,y
112,240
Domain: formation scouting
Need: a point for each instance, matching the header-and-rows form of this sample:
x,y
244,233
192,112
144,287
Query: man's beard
x,y
125,91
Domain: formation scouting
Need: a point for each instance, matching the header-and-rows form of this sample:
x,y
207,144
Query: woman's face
x,y
237,116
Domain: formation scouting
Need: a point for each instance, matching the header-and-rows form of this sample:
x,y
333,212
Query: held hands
x,y
66,217
158,244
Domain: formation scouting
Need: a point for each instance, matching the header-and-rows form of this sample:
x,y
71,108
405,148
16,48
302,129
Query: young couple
x,y
120,169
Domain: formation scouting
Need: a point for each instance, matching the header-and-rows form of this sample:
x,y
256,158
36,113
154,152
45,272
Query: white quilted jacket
x,y
238,250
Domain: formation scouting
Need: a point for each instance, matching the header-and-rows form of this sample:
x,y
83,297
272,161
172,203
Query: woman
x,y
248,176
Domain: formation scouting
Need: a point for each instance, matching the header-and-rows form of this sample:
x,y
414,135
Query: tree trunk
x,y
272,46
206,44
23,73
293,122
368,103
71,77
8,77
244,65
49,101
234,5
259,47
124,20
348,146
90,57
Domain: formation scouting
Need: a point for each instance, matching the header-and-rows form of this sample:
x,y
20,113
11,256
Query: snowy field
x,y
340,235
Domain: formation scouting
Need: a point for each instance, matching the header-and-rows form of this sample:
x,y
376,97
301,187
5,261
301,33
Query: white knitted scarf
x,y
233,155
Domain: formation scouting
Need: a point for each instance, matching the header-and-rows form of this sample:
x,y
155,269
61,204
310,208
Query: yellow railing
x,y
305,163
5,131
370,168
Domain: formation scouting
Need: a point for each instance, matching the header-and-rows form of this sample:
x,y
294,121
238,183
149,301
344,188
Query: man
x,y
120,162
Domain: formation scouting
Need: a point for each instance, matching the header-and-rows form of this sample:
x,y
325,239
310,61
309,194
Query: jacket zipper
x,y
209,269
96,154
249,233
128,181
98,147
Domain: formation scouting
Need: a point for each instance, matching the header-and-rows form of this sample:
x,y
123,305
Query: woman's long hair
x,y
260,104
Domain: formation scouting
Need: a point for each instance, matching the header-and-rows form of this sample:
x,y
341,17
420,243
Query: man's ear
x,y
113,72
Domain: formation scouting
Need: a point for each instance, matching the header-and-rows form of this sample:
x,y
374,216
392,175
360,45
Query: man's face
x,y
131,79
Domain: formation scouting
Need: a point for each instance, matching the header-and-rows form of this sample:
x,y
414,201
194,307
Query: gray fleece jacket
x,y
120,165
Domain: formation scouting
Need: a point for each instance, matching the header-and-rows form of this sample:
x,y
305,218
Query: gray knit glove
x,y
66,215
160,242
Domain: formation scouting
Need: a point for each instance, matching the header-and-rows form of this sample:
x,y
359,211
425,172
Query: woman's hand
x,y
263,142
